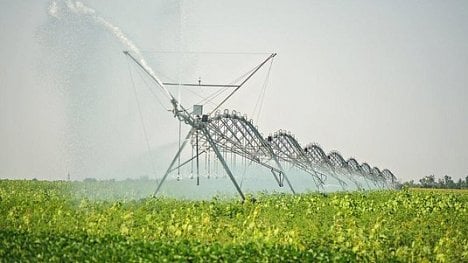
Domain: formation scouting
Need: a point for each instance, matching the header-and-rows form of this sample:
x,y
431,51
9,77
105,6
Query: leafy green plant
x,y
47,221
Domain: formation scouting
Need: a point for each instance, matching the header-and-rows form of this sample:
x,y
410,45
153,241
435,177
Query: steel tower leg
x,y
223,162
342,183
351,178
367,182
284,174
278,179
174,160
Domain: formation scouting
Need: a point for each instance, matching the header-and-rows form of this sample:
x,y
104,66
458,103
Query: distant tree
x,y
428,181
460,183
448,182
431,181
90,180
440,183
410,184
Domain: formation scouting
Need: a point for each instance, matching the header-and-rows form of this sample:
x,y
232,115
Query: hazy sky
x,y
382,81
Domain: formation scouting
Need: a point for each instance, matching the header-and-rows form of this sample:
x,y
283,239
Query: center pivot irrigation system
x,y
228,133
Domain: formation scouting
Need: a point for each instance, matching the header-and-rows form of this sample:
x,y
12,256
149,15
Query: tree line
x,y
430,181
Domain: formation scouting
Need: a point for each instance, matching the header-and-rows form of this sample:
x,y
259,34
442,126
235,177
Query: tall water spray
x,y
103,135
79,8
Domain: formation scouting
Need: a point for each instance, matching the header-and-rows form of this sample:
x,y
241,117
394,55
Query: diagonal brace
x,y
174,160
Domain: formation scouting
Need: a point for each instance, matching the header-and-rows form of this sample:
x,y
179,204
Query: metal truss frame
x,y
233,133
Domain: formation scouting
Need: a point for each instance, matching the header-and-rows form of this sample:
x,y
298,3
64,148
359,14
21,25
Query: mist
x,y
382,82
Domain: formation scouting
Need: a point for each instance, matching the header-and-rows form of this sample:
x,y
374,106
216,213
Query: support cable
x,y
242,83
261,96
148,147
219,92
149,51
152,92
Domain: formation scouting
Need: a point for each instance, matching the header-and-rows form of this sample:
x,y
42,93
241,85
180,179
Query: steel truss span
x,y
220,134
230,132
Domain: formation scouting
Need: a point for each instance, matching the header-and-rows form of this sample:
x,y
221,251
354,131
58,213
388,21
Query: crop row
x,y
44,220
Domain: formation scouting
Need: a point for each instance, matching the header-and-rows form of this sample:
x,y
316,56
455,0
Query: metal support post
x,y
174,160
223,162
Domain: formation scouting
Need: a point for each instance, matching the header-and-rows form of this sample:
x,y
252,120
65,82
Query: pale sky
x,y
382,81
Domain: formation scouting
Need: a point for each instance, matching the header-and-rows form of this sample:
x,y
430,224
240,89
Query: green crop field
x,y
46,221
